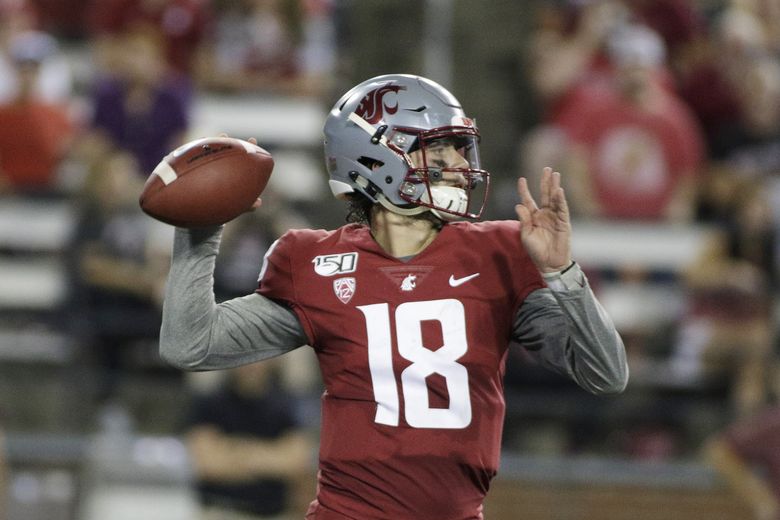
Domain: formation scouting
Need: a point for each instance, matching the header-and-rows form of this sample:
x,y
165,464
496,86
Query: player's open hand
x,y
545,229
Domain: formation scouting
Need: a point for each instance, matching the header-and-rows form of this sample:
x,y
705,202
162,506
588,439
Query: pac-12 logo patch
x,y
331,265
344,288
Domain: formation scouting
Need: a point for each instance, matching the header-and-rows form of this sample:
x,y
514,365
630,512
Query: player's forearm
x,y
595,354
198,334
189,308
568,331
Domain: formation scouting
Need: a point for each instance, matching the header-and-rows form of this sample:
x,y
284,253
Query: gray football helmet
x,y
381,139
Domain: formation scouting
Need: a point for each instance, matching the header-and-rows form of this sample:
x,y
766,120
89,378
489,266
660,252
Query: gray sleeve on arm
x,y
199,334
568,331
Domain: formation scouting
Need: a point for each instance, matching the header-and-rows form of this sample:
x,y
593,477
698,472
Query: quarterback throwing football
x,y
410,308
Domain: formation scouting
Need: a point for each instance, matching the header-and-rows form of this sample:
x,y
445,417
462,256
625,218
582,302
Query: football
x,y
206,182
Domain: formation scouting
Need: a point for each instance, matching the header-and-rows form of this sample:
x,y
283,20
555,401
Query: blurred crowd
x,y
92,96
657,112
668,112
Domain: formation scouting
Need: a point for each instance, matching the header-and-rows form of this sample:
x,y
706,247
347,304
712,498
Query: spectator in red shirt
x,y
631,146
34,135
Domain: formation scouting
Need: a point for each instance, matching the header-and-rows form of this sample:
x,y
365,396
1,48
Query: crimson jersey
x,y
412,357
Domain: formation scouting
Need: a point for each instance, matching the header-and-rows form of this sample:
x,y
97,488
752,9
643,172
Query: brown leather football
x,y
206,182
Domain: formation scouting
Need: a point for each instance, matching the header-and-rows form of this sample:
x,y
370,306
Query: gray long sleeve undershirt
x,y
567,328
569,332
199,334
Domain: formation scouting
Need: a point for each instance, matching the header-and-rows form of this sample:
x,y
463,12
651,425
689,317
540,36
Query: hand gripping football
x,y
206,182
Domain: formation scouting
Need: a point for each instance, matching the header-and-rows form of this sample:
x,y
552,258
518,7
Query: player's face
x,y
443,154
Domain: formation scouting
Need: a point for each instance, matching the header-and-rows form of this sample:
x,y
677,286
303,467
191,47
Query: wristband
x,y
559,273
571,278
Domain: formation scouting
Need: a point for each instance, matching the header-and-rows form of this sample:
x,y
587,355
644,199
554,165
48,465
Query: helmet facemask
x,y
444,174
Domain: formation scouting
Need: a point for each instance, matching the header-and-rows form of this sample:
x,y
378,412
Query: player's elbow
x,y
620,375
611,381
614,387
177,357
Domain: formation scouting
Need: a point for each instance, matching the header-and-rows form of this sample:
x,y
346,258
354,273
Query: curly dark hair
x,y
360,209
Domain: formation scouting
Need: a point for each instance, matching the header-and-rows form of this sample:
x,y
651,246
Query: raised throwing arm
x,y
199,334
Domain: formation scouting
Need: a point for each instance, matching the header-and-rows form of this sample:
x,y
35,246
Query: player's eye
x,y
440,145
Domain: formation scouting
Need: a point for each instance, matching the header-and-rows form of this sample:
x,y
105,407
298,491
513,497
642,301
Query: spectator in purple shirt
x,y
136,109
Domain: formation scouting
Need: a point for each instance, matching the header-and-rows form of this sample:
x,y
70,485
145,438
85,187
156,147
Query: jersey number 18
x,y
424,362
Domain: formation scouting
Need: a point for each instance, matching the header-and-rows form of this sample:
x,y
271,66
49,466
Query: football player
x,y
410,307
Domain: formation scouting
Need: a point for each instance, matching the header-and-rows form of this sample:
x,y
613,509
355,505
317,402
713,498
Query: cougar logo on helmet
x,y
371,106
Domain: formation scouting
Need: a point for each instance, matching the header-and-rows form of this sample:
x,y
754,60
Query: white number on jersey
x,y
425,362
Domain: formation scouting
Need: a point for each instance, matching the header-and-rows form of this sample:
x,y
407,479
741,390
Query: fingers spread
x,y
546,186
555,180
524,216
525,194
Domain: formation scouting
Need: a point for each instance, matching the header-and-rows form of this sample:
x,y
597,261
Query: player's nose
x,y
456,160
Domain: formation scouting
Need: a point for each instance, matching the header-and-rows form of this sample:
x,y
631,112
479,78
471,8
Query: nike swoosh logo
x,y
454,282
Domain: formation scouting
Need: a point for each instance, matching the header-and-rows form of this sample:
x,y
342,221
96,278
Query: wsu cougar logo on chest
x,y
372,106
409,283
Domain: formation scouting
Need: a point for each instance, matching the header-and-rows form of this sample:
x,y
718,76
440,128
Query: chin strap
x,y
450,198
415,210
447,197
